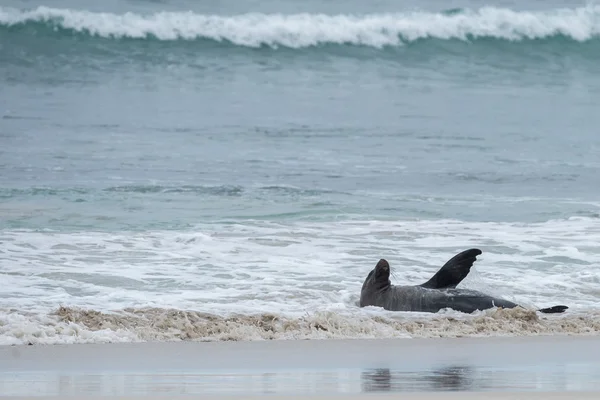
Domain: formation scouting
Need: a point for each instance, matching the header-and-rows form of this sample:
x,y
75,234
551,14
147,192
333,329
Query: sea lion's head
x,y
377,281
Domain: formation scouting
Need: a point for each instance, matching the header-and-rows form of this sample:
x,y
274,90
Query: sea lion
x,y
437,293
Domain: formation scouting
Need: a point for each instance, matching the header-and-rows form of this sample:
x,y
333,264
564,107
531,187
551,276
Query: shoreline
x,y
507,337
301,368
445,346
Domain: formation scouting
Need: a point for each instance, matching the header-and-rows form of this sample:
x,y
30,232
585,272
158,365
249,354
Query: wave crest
x,y
305,30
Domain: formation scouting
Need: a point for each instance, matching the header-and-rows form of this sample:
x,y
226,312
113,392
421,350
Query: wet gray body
x,y
436,294
420,299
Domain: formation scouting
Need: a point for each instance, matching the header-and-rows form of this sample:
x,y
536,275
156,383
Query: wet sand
x,y
407,396
549,367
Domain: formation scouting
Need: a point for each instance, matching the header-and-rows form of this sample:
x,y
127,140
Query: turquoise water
x,y
137,131
437,125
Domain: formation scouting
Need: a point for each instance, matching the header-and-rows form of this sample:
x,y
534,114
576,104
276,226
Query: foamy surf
x,y
75,325
304,30
290,280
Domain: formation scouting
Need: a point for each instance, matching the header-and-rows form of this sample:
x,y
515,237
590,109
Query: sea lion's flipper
x,y
553,310
454,271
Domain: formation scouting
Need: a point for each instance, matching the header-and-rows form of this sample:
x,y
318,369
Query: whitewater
x,y
303,30
287,281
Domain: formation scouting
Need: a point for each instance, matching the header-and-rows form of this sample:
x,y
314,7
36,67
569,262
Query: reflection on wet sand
x,y
444,379
448,378
468,378
298,381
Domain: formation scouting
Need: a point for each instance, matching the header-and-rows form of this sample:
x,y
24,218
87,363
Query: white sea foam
x,y
298,273
302,30
74,325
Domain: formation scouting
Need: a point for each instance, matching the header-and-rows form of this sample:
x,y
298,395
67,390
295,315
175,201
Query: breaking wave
x,y
306,30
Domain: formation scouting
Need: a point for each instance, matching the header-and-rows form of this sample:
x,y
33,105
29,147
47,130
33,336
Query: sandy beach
x,y
471,368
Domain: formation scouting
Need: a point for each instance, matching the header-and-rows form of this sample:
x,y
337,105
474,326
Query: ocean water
x,y
233,170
